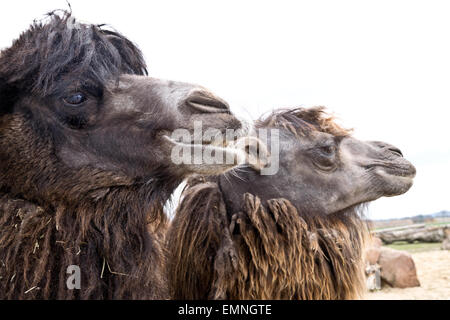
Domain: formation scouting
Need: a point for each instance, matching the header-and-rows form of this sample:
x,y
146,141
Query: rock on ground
x,y
372,252
434,274
398,268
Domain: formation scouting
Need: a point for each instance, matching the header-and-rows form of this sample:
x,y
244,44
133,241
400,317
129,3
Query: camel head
x,y
322,168
77,96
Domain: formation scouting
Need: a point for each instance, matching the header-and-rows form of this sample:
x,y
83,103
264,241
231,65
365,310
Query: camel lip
x,y
199,157
219,140
200,142
197,143
408,171
238,151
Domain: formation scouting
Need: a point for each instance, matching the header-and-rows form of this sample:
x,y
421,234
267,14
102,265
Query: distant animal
x,y
85,162
297,234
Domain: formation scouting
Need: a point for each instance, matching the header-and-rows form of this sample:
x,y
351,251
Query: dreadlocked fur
x,y
117,255
267,250
52,216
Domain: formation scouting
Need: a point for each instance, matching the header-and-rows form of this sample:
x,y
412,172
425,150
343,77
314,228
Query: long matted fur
x,y
274,253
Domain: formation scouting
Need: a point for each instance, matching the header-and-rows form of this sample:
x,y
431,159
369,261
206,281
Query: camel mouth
x,y
213,156
395,178
193,143
404,171
215,141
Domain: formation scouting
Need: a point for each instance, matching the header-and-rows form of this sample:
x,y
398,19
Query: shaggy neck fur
x,y
267,251
107,238
52,217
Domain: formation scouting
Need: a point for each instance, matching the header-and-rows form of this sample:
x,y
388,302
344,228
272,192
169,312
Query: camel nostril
x,y
396,151
206,104
383,146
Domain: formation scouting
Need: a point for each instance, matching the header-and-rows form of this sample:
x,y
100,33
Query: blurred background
x,y
382,67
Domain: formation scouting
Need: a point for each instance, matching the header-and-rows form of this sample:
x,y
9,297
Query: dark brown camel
x,y
297,234
85,167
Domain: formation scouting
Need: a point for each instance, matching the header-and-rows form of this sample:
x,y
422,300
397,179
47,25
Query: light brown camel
x,y
297,234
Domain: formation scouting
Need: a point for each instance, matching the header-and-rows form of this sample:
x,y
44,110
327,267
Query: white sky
x,y
382,66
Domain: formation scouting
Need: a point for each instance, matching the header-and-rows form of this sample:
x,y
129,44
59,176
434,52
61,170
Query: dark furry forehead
x,y
302,121
61,47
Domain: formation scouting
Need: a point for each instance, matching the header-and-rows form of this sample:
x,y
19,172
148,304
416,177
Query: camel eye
x,y
75,99
327,150
324,157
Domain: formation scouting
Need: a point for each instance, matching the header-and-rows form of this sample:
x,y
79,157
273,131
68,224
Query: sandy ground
x,y
433,270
